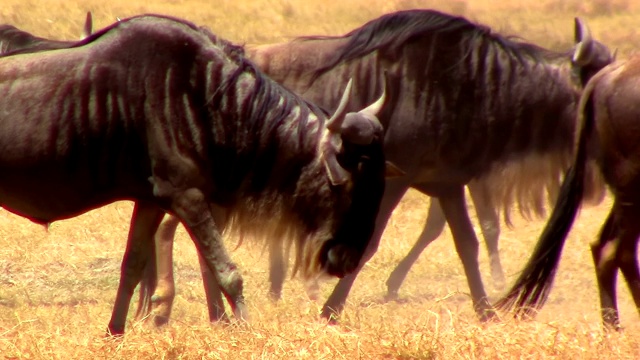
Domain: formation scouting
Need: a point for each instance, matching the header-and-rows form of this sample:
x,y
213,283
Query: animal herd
x,y
309,145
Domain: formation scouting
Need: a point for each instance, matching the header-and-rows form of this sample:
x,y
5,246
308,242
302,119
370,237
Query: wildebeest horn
x,y
584,44
335,123
360,128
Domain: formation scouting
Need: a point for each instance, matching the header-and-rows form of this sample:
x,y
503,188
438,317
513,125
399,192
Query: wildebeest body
x,y
68,140
116,100
159,111
464,102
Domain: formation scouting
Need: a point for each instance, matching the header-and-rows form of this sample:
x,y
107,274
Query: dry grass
x,y
57,286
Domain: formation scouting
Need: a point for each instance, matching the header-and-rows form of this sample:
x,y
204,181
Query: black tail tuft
x,y
532,288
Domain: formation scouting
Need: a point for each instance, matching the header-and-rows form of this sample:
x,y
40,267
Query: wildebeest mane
x,y
259,104
392,31
261,125
267,175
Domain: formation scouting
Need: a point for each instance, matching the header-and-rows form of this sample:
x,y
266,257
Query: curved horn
x,y
374,109
584,43
335,123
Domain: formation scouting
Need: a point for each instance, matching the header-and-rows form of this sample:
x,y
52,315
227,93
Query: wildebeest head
x,y
590,55
353,159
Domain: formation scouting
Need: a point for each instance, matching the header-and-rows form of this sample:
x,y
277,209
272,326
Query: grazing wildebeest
x,y
156,110
607,133
464,102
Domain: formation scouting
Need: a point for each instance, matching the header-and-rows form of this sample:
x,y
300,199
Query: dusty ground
x,y
57,286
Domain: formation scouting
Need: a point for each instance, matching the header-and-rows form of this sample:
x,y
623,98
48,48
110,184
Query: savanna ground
x,y
57,286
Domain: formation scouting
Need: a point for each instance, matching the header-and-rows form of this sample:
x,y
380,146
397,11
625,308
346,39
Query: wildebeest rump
x,y
464,103
608,132
12,38
156,110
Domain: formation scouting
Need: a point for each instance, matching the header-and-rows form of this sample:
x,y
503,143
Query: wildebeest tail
x,y
531,289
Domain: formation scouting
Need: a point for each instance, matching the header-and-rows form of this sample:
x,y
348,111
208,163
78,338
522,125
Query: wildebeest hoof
x,y
391,296
160,320
275,295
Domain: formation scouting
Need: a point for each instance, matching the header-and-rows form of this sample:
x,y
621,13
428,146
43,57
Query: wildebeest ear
x,y
584,51
337,174
391,170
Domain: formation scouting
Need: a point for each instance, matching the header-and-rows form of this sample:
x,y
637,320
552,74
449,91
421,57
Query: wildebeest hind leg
x,y
432,229
164,293
277,269
198,218
160,277
490,225
629,268
144,223
626,250
455,211
603,252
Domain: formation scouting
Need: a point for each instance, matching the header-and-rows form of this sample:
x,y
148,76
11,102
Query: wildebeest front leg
x,y
277,269
455,211
432,229
490,226
144,223
394,191
212,291
196,215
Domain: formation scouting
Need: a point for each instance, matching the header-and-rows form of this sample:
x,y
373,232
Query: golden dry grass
x,y
57,286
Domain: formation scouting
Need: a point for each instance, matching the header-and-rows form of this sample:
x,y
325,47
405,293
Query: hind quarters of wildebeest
x,y
608,134
14,39
181,122
464,102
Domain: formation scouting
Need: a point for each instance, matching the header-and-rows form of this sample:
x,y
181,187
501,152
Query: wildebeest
x,y
608,133
156,110
464,102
